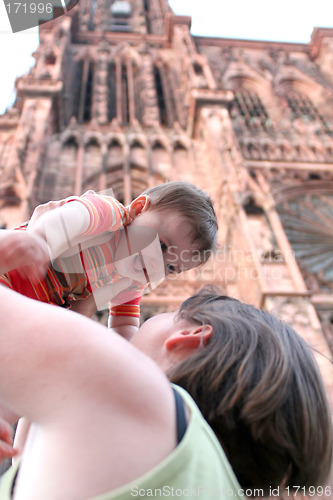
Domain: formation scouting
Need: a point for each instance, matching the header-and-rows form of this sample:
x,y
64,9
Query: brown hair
x,y
194,205
259,388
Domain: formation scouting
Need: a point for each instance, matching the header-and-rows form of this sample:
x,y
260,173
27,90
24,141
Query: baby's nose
x,y
155,267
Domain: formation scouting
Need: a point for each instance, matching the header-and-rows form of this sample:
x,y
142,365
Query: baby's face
x,y
157,244
139,256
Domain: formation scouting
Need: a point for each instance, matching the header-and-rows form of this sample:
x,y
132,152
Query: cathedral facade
x,y
123,97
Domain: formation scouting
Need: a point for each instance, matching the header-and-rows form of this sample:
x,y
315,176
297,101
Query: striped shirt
x,y
78,276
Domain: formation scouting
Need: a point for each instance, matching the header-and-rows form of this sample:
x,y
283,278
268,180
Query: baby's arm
x,y
125,327
62,227
125,318
66,223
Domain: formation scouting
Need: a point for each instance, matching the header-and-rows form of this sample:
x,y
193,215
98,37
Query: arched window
x,y
82,90
302,110
124,95
112,94
301,106
249,107
161,99
164,95
123,91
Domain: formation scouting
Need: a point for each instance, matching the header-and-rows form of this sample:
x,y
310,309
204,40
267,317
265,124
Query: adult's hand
x,y
23,250
6,440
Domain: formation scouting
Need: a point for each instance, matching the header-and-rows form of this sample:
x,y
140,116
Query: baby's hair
x,y
190,202
259,388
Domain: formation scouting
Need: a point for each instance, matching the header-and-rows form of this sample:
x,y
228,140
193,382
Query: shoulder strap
x,y
180,416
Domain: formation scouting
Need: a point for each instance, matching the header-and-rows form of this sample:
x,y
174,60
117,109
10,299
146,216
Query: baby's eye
x,y
171,269
164,248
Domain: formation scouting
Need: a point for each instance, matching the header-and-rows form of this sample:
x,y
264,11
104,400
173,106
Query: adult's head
x,y
255,381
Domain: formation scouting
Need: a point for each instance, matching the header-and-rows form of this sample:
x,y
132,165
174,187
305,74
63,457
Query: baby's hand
x,y
125,295
23,250
6,440
101,296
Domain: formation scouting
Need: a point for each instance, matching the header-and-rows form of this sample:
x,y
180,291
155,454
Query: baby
x,y
96,249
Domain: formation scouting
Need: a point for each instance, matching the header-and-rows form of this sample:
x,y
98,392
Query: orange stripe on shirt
x,y
106,213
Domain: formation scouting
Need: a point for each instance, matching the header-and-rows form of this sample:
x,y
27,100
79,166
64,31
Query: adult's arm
x,y
93,399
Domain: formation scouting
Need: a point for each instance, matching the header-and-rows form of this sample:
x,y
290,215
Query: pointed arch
x,y
137,140
180,143
299,97
251,149
248,109
251,204
115,153
284,150
70,136
182,159
138,154
92,137
159,141
160,158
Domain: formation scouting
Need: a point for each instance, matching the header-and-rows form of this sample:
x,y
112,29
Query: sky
x,y
279,20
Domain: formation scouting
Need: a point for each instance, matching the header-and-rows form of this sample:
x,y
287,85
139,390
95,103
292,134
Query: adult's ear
x,y
139,205
191,337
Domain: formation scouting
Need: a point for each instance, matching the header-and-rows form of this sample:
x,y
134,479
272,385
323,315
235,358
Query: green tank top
x,y
196,468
